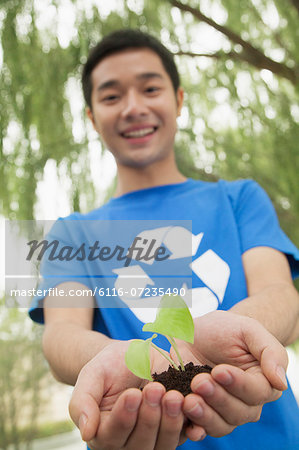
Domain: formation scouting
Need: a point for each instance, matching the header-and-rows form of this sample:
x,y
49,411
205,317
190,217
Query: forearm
x,y
68,347
276,308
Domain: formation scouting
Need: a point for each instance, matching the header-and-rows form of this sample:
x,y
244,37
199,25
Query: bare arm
x,y
69,329
250,359
272,297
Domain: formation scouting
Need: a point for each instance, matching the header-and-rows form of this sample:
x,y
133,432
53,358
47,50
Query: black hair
x,y
121,40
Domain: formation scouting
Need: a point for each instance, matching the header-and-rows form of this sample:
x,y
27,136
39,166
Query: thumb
x,y
271,354
274,363
84,404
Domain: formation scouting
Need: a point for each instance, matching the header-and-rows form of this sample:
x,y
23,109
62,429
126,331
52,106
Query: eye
x,y
110,98
152,89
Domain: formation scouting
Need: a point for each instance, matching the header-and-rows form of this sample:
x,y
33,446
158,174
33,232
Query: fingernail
x,y
224,378
205,388
82,423
132,403
196,411
173,408
282,375
153,397
203,437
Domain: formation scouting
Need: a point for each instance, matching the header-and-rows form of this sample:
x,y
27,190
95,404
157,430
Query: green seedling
x,y
173,321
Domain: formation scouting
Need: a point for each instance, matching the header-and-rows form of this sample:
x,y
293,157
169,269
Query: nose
x,y
134,105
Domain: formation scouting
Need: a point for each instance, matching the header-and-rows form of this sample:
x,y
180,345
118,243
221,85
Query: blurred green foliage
x,y
22,374
241,117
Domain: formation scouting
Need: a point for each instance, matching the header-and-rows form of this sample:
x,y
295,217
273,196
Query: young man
x,y
244,305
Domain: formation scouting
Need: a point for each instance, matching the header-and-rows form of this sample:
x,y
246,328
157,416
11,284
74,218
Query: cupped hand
x,y
112,412
249,367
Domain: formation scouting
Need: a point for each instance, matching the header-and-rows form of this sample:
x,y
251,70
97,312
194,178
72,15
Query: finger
x,y
271,355
202,415
117,425
195,432
146,430
191,431
84,404
172,421
233,411
274,363
250,386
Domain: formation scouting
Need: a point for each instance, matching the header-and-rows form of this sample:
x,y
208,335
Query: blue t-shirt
x,y
228,218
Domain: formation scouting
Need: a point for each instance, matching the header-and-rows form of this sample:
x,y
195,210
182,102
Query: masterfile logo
x,y
118,263
125,260
140,251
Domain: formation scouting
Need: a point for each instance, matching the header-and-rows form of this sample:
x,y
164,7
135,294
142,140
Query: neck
x,y
136,178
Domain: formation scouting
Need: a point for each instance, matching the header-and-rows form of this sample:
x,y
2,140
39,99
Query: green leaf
x,y
173,319
137,358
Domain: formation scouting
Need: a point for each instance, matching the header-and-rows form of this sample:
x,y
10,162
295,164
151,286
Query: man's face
x,y
134,107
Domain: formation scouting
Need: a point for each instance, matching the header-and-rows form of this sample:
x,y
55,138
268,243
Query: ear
x,y
180,100
90,116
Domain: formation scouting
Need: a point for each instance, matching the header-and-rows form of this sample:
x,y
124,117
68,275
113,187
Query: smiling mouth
x,y
139,133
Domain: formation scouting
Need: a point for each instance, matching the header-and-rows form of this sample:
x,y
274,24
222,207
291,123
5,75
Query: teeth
x,y
139,133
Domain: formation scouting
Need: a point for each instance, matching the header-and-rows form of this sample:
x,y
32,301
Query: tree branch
x,y
216,55
250,54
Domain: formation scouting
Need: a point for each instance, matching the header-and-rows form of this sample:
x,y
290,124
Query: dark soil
x,y
178,379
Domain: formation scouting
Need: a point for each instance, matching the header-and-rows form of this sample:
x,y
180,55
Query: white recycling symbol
x,y
212,270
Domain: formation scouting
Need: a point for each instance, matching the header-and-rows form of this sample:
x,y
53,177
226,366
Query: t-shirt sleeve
x,y
65,234
257,221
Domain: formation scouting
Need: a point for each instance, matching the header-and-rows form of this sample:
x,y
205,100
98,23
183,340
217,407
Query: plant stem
x,y
165,356
173,343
